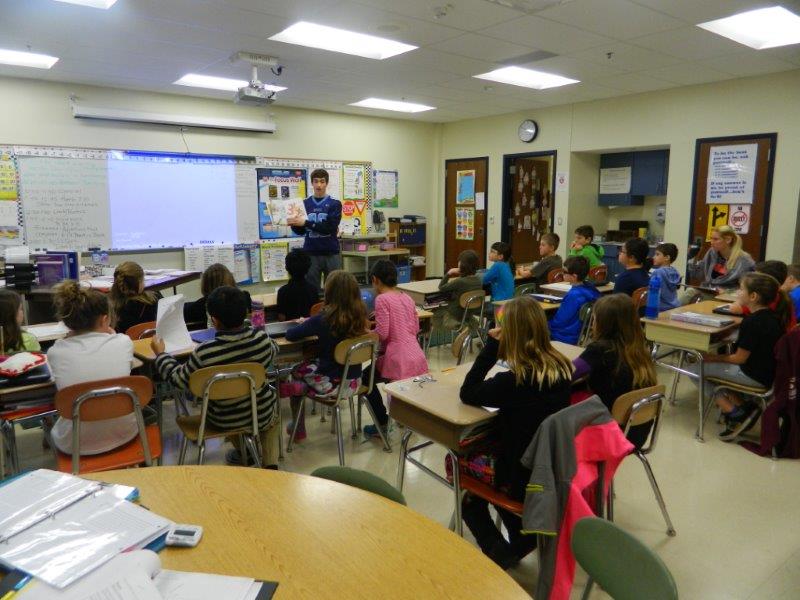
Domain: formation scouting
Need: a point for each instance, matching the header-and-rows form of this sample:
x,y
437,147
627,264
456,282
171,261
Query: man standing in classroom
x,y
321,228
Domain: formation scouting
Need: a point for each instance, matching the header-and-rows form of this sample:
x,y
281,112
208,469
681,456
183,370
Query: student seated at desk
x,y
549,260
582,246
753,361
91,351
397,325
663,258
722,265
296,298
344,316
565,326
633,256
129,300
536,386
501,274
617,360
15,339
233,343
457,281
792,287
214,276
778,270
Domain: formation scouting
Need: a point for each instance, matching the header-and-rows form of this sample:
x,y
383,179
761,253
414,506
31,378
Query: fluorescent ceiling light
x,y
395,105
759,29
538,80
219,83
27,59
341,40
93,3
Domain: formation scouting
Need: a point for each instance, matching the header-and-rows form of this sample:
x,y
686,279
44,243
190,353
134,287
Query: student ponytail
x,y
505,249
638,249
79,307
770,294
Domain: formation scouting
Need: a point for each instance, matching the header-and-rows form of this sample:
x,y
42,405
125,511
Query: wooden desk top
x,y
426,286
558,288
546,306
375,253
319,539
704,308
726,297
441,398
142,351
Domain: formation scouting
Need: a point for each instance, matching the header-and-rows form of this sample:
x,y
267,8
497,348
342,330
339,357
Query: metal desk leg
x,y
701,392
457,492
401,466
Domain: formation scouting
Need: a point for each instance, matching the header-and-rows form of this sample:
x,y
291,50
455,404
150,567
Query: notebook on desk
x,y
279,328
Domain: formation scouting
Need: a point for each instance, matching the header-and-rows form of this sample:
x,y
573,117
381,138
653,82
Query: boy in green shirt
x,y
583,246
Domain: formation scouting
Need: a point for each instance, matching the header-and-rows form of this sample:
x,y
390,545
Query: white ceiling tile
x,y
635,82
456,95
627,57
699,11
481,86
295,10
468,15
545,35
574,68
481,47
689,74
689,43
618,19
579,92
427,58
749,63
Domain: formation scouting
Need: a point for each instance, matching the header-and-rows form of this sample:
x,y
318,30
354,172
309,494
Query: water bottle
x,y
653,297
257,315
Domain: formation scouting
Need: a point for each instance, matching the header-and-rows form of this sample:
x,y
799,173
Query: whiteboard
x,y
65,202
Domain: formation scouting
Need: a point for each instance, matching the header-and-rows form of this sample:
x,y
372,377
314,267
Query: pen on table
x,y
448,369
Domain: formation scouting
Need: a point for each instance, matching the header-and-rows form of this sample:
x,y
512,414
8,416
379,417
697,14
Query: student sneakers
x,y
739,422
371,431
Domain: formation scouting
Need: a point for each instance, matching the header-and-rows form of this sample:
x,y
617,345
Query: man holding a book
x,y
320,226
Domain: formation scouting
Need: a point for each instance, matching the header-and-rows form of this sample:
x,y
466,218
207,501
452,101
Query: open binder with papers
x,y
58,527
138,576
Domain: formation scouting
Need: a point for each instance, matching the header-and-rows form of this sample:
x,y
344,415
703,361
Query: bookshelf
x,y
412,236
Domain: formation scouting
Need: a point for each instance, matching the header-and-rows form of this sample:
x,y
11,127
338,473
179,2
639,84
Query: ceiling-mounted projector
x,y
256,93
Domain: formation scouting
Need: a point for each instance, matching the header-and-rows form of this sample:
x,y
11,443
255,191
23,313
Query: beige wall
x,y
670,118
36,112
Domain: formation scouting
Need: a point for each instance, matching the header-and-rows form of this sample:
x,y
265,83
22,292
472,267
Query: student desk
x,y
558,289
374,254
691,339
434,410
317,538
546,306
270,300
420,291
726,297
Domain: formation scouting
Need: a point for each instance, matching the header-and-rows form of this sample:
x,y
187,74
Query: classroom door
x,y
465,208
725,170
528,203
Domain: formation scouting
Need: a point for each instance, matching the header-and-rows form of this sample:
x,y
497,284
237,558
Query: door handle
x,y
480,230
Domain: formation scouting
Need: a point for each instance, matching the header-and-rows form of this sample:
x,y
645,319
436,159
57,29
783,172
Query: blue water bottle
x,y
653,297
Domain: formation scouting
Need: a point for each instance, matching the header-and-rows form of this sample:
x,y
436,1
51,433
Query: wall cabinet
x,y
649,172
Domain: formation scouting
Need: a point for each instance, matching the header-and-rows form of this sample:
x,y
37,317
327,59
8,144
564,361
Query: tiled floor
x,y
736,514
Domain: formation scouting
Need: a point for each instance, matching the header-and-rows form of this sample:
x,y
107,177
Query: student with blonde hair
x,y
723,265
536,385
130,303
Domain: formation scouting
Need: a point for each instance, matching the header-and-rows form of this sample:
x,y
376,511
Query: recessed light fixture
x,y
341,40
106,4
529,78
219,83
27,59
394,105
761,28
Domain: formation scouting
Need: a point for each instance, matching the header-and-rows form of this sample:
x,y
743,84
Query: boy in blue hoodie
x,y
670,278
565,326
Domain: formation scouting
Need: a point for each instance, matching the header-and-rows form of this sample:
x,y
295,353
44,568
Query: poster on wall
x,y
717,217
280,194
386,189
739,217
731,174
465,187
334,183
615,181
354,202
465,224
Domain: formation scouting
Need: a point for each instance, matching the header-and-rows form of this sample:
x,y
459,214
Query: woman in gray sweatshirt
x,y
724,263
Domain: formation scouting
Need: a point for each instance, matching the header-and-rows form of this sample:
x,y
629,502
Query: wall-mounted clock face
x,y
528,130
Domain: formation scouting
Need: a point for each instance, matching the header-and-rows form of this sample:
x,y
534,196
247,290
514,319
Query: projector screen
x,y
171,202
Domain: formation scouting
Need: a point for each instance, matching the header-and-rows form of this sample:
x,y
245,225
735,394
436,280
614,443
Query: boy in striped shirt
x,y
233,343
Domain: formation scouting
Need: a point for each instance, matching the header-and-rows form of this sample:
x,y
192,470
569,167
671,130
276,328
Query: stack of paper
x,y
170,325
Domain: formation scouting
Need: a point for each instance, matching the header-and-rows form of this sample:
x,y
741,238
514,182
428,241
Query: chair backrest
x,y
525,288
473,299
362,480
316,308
555,275
141,330
586,317
356,351
639,297
639,407
623,566
598,274
460,345
227,388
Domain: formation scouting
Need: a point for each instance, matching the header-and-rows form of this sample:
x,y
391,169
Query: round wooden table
x,y
317,538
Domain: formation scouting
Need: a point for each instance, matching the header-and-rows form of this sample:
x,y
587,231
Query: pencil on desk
x,y
448,369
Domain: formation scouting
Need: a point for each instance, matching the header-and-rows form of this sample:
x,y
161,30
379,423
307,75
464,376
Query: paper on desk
x,y
564,287
170,325
180,585
46,330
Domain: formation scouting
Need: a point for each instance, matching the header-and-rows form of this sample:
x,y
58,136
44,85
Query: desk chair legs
x,y
184,447
674,390
657,491
384,436
301,413
337,414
